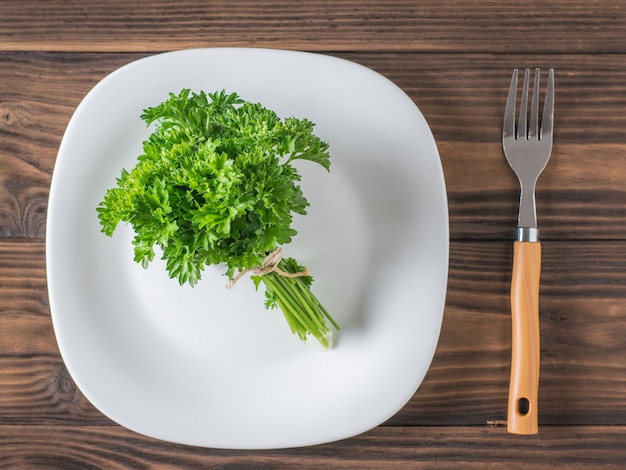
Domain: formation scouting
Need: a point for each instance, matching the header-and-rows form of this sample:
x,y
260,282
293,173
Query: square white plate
x,y
211,367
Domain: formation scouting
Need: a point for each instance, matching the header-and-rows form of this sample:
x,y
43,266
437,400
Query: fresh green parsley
x,y
216,185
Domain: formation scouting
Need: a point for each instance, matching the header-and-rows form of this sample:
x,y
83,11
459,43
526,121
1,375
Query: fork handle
x,y
524,384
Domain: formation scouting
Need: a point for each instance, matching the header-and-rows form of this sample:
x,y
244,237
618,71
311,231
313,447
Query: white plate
x,y
210,367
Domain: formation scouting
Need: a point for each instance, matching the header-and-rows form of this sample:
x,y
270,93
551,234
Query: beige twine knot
x,y
270,265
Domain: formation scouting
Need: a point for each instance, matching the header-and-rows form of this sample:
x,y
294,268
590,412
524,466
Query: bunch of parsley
x,y
216,185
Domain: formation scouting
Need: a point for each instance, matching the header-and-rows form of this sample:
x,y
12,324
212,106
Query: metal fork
x,y
527,148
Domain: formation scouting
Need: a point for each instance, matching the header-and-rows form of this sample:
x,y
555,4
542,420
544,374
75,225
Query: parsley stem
x,y
299,306
318,305
288,305
289,286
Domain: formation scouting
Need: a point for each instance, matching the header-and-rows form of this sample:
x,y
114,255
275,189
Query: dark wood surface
x,y
454,59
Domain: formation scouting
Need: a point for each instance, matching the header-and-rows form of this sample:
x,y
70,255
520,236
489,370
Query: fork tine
x,y
508,129
548,109
522,131
533,127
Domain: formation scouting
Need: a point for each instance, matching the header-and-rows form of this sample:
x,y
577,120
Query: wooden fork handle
x,y
524,384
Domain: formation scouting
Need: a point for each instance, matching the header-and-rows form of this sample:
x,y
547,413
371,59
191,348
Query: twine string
x,y
270,265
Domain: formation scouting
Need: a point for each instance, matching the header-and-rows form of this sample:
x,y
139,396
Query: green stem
x,y
303,312
319,305
306,302
288,306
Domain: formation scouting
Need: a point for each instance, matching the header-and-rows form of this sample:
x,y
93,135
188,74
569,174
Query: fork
x,y
527,148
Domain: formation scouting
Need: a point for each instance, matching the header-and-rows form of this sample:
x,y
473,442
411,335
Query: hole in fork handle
x,y
523,406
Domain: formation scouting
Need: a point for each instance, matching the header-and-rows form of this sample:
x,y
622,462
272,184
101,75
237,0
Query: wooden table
x,y
454,59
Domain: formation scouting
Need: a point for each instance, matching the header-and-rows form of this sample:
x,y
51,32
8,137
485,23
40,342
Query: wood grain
x,y
68,447
23,287
453,58
37,389
326,25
